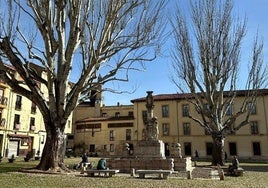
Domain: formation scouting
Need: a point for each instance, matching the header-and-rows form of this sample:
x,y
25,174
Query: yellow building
x,y
106,133
103,130
22,128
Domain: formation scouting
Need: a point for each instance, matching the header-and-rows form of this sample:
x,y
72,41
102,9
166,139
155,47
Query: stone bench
x,y
163,174
106,173
239,171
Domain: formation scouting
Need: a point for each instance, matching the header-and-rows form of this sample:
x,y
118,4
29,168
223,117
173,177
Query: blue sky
x,y
157,75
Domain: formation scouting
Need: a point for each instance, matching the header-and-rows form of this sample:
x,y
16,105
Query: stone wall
x,y
126,165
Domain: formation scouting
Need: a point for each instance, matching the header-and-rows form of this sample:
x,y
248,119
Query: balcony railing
x,y
3,101
32,128
2,122
17,126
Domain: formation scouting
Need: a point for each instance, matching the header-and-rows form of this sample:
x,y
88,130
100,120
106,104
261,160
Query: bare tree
x,y
206,64
101,38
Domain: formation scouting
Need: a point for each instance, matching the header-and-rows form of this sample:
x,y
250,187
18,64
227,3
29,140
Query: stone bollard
x,y
132,173
221,174
189,174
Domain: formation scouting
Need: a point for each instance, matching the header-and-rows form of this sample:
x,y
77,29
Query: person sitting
x,y
84,163
235,165
101,164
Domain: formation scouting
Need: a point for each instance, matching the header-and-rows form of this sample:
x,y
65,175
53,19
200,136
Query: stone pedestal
x,y
183,164
150,149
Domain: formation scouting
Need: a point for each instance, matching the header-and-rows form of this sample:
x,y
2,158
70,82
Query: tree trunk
x,y
217,151
53,155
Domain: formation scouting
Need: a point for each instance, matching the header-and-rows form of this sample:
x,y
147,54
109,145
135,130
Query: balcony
x,y
32,128
17,126
2,123
3,101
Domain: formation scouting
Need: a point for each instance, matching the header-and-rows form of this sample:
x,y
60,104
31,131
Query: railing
x,y
17,126
2,122
32,128
3,100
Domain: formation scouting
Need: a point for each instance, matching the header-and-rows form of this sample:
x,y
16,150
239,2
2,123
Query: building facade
x,y
22,128
112,133
103,130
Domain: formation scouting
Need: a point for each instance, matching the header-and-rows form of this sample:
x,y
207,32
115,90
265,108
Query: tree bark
x,y
53,154
218,151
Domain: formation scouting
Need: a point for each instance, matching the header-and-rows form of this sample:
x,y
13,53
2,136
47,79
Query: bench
x,y
106,173
239,171
163,174
86,165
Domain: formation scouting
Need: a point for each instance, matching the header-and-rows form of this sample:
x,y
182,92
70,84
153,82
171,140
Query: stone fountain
x,y
150,151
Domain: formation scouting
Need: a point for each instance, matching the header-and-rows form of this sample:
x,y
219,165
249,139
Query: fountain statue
x,y
150,145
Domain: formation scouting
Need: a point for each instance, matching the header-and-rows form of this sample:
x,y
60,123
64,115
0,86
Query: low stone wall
x,y
183,164
126,165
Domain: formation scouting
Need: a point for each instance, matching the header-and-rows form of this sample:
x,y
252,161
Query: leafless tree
x,y
101,38
206,63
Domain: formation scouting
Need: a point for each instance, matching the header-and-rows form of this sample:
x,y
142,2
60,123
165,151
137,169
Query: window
x,y
229,110
111,135
165,111
91,148
165,128
144,115
186,129
24,141
117,114
2,120
32,124
32,121
254,127
188,148
18,102
256,148
3,100
232,147
111,147
69,124
33,108
17,122
185,110
209,148
128,134
130,114
252,108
